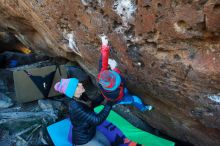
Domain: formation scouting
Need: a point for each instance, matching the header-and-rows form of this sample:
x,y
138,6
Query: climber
x,y
82,115
112,84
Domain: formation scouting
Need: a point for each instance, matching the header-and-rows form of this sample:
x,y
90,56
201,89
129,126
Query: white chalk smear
x,y
215,98
101,3
179,29
84,2
125,9
104,39
120,29
72,42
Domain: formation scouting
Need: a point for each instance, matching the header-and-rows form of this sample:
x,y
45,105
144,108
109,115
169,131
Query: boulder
x,y
167,50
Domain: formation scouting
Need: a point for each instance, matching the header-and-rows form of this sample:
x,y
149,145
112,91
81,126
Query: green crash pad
x,y
134,133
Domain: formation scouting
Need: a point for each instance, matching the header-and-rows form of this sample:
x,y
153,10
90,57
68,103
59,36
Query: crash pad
x,y
37,83
115,128
59,133
135,134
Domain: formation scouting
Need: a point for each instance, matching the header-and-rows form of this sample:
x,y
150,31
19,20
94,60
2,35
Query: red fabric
x,y
120,96
105,50
121,93
105,55
117,70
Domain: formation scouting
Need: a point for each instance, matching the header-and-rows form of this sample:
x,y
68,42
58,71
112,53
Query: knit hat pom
x,y
109,80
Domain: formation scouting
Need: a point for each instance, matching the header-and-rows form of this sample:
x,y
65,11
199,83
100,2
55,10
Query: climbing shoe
x,y
147,108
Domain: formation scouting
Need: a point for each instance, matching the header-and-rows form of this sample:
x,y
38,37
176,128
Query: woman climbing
x,y
112,84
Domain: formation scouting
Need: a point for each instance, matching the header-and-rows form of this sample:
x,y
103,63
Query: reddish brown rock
x,y
212,12
168,51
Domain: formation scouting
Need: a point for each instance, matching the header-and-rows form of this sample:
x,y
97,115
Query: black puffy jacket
x,y
85,120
